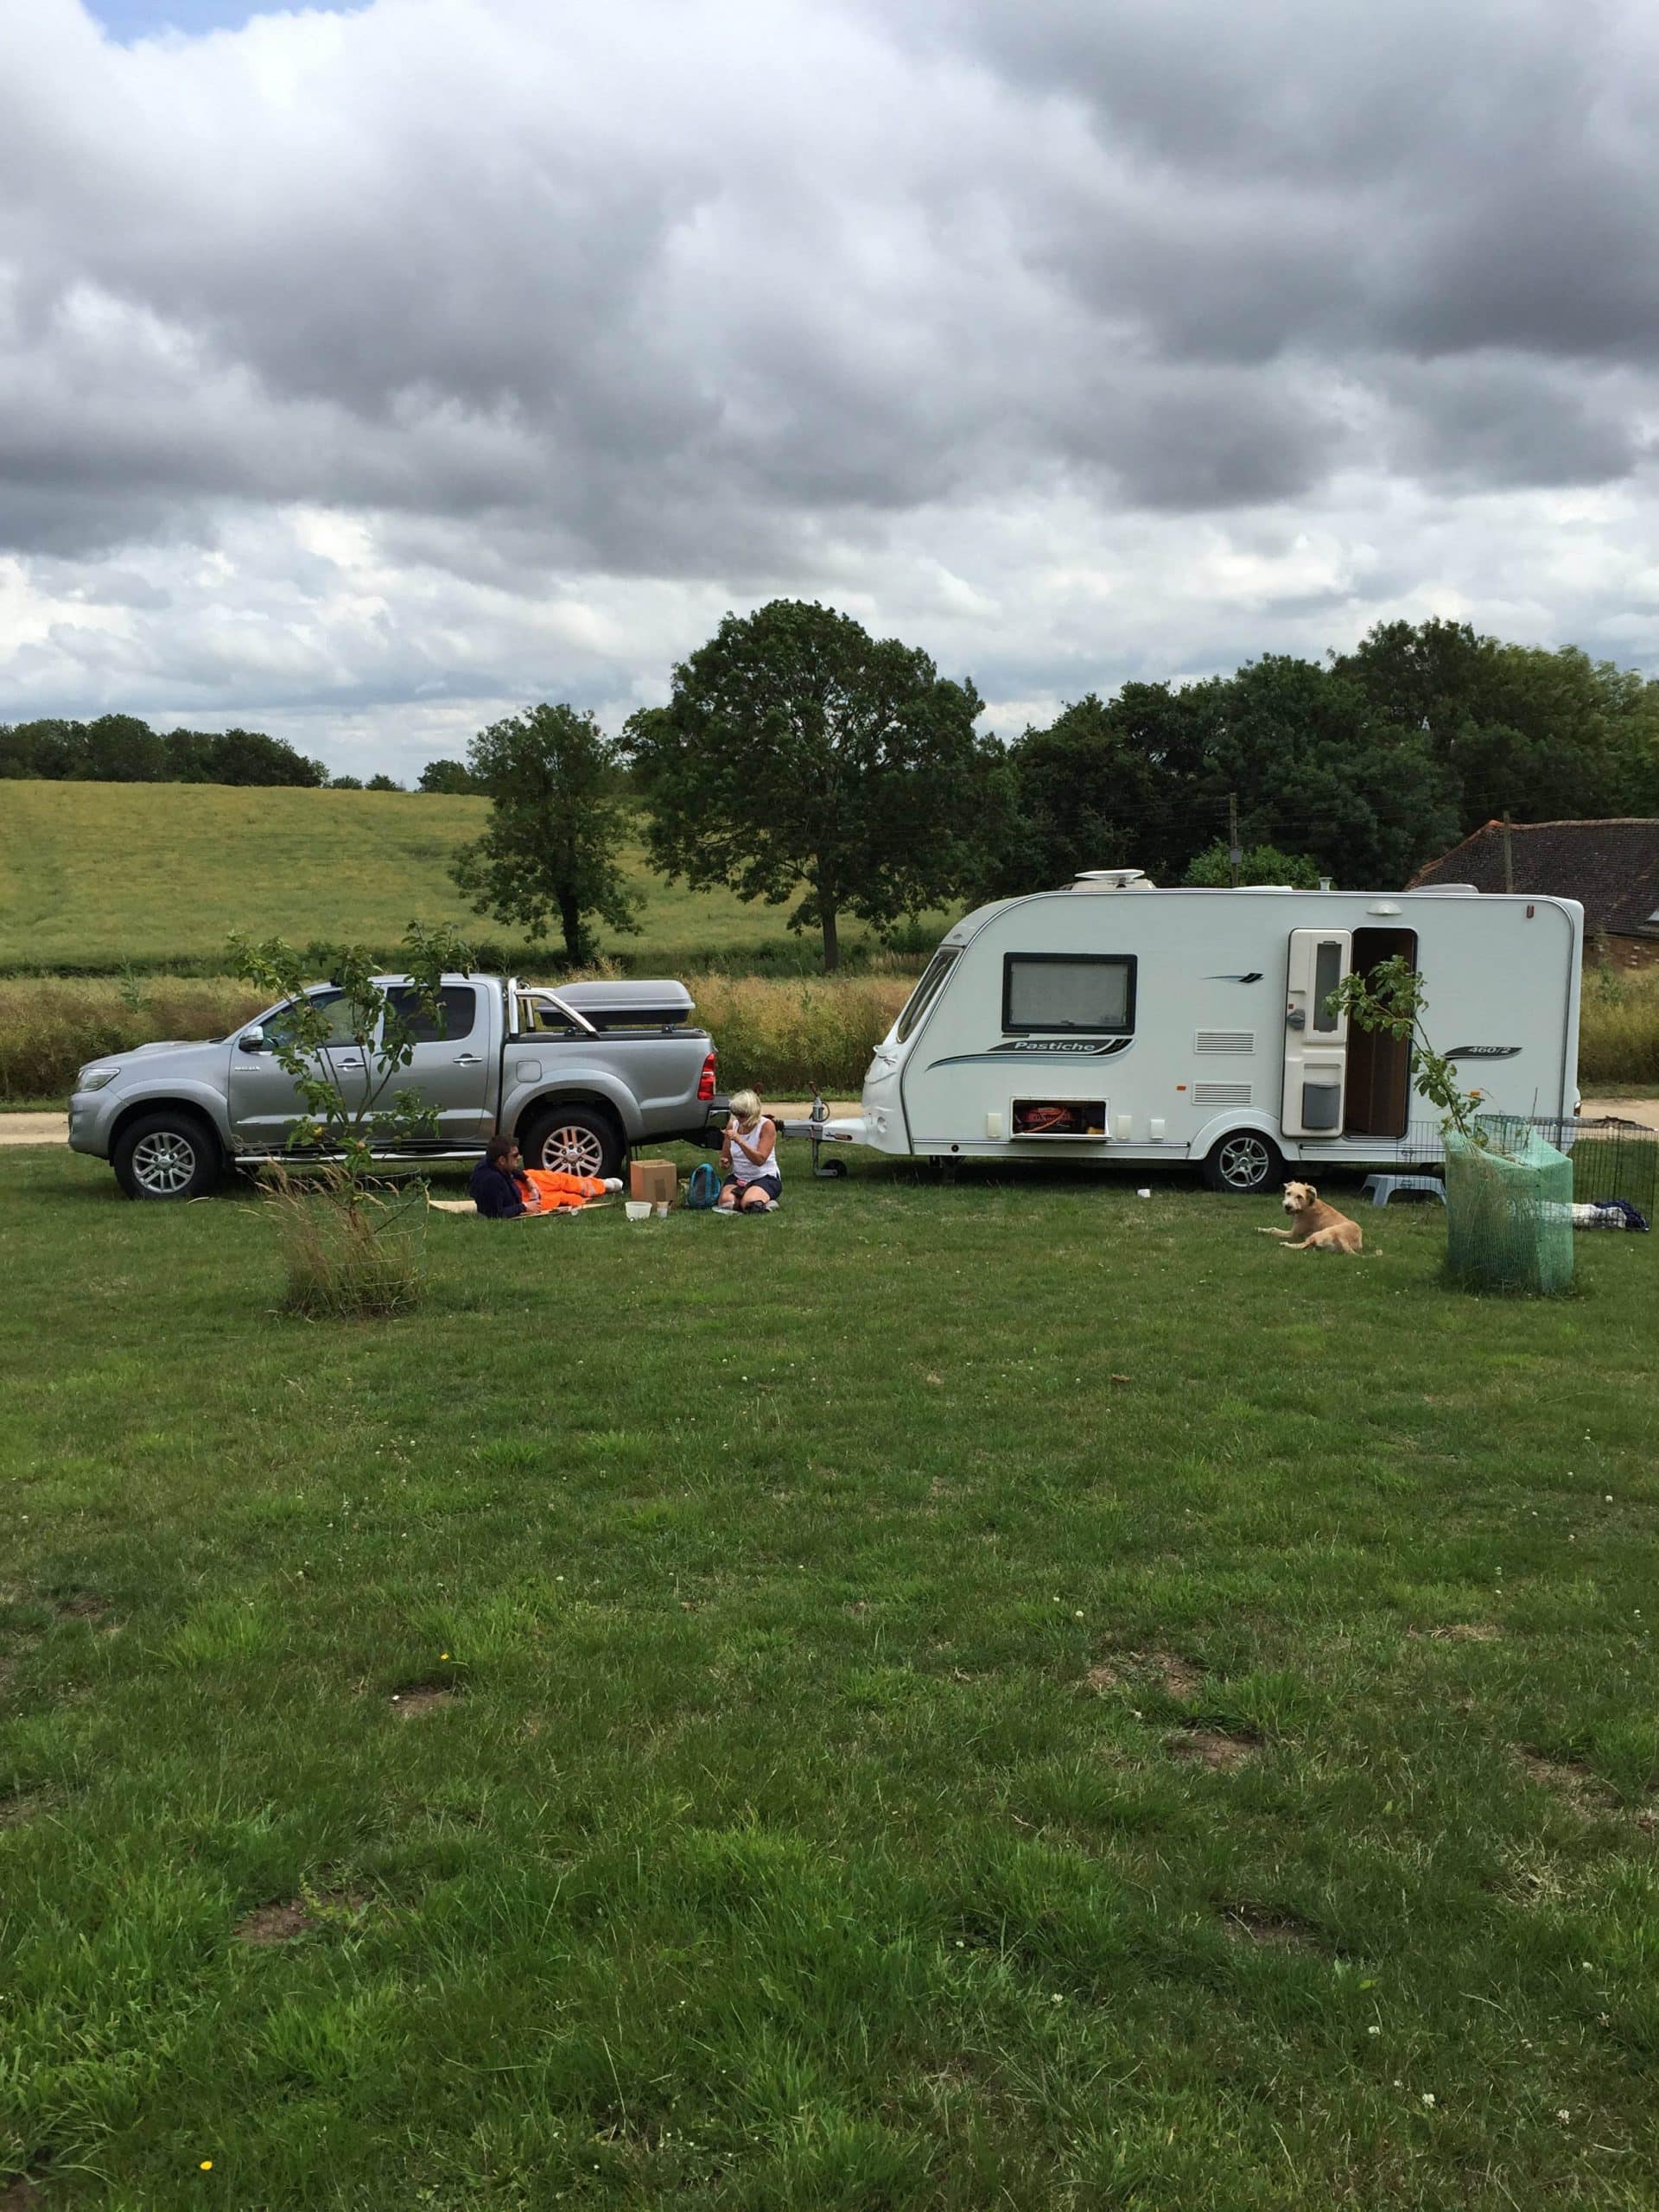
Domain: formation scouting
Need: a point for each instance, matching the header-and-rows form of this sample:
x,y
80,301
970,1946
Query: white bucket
x,y
637,1208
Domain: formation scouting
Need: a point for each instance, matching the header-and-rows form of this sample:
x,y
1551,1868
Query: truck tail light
x,y
706,1080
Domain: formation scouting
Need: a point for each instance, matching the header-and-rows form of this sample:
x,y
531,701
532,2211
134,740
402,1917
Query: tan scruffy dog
x,y
1318,1227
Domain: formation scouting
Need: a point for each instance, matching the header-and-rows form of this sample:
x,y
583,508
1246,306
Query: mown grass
x,y
1000,1694
96,878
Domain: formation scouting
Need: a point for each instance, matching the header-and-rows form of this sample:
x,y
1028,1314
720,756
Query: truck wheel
x,y
581,1139
171,1153
1244,1161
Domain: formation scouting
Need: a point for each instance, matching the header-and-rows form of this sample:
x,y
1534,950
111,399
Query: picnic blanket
x,y
557,1213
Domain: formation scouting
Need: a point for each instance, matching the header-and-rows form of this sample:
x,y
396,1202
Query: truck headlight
x,y
95,1078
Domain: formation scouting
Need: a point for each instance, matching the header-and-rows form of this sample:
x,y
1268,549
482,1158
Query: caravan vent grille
x,y
1224,1041
1221,1093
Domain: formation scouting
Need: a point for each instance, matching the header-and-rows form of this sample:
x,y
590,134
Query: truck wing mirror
x,y
252,1041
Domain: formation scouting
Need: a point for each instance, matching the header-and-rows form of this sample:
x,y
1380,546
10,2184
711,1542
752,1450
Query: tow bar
x,y
813,1128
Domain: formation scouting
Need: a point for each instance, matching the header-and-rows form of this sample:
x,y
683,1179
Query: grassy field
x,y
143,883
96,878
1006,1695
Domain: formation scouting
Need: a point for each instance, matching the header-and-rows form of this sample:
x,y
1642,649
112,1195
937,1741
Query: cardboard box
x,y
655,1179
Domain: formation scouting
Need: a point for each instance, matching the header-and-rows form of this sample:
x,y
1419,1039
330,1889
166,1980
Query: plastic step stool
x,y
1381,1188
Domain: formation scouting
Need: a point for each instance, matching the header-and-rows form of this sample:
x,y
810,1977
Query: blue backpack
x,y
704,1189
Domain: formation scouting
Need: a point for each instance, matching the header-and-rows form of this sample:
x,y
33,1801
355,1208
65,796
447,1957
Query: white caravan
x,y
1112,1020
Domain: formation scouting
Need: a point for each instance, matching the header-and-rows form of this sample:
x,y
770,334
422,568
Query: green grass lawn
x,y
1006,1695
96,877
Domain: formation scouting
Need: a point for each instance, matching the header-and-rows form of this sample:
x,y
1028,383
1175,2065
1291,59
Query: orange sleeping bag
x,y
551,1191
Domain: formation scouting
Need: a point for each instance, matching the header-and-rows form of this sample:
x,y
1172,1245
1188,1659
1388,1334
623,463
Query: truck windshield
x,y
927,990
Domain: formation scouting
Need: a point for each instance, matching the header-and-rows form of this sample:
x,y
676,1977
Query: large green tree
x,y
558,823
1212,870
1318,770
798,758
1109,783
453,778
1522,733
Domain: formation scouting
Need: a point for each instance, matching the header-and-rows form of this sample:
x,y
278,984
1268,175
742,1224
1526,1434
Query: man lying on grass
x,y
504,1189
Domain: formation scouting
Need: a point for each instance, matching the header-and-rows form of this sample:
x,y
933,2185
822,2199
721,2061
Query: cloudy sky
x,y
365,373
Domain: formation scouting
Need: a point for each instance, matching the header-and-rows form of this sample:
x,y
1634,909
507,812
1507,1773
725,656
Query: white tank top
x,y
744,1169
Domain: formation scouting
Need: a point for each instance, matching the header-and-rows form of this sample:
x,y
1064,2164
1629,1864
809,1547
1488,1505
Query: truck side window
x,y
459,1008
1090,992
279,1026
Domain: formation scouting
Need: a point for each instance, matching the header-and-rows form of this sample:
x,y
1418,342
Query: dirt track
x,y
34,1129
53,1128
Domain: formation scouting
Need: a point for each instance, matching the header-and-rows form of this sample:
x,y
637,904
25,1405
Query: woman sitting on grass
x,y
748,1160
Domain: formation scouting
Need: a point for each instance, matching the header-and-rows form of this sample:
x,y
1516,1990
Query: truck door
x,y
1316,1034
263,1100
452,1064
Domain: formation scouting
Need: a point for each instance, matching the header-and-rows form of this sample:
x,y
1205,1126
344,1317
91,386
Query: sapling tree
x,y
1391,998
352,1128
341,1261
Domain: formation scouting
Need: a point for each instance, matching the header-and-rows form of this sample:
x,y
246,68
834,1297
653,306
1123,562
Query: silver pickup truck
x,y
578,1074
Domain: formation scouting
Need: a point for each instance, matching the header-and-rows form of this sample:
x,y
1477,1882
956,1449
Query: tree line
x,y
122,749
799,759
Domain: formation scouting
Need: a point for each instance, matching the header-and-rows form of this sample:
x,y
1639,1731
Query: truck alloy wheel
x,y
165,1155
575,1139
1243,1160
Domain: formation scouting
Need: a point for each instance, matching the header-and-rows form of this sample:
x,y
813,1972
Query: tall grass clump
x,y
779,1033
50,1028
787,1037
349,1255
1618,1027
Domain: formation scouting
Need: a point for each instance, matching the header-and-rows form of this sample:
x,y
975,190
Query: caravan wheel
x,y
1244,1162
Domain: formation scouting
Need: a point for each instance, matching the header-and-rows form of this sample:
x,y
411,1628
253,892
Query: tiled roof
x,y
1611,868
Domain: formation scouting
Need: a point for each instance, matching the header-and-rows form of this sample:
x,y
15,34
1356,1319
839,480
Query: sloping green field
x,y
96,877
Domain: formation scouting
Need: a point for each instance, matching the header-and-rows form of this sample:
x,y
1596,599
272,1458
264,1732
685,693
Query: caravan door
x,y
1316,1034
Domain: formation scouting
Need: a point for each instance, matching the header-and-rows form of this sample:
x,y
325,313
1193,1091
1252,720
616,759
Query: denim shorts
x,y
770,1184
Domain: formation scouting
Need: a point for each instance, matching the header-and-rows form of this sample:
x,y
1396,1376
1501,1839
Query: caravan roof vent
x,y
1442,891
1111,878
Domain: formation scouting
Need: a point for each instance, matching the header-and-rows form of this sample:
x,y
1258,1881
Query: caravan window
x,y
927,990
1085,991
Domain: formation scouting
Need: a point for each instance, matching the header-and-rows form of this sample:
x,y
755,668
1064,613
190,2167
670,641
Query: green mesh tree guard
x,y
1508,1212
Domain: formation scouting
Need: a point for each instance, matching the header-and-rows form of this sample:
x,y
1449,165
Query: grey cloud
x,y
734,298
1497,421
1415,177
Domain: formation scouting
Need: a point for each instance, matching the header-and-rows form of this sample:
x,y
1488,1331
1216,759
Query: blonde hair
x,y
745,1104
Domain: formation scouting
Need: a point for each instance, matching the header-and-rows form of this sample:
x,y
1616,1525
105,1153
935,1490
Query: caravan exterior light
x,y
1384,909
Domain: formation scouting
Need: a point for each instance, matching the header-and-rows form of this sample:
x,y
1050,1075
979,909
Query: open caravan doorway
x,y
1377,1101
1341,1080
